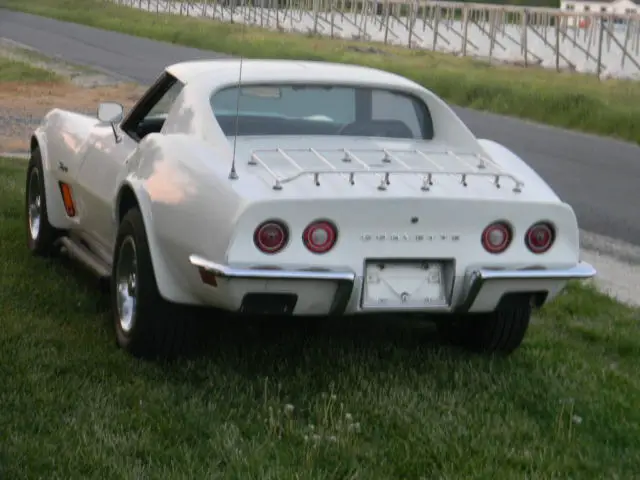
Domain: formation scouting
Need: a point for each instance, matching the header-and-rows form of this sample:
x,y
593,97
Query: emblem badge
x,y
409,237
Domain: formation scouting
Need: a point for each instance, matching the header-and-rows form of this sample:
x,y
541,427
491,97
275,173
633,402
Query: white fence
x,y
597,43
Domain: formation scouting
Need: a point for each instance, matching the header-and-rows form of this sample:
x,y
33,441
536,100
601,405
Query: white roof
x,y
265,70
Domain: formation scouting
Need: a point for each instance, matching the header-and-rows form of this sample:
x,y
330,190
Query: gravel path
x,y
22,105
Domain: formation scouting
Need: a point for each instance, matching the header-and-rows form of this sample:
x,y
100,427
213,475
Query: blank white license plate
x,y
404,285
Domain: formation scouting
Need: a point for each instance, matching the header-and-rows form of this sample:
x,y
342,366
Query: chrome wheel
x,y
34,201
126,284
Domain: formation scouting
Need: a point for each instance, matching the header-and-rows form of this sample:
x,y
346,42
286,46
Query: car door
x,y
108,155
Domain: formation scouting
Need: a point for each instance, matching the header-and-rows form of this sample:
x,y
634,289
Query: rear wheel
x,y
499,332
41,235
146,325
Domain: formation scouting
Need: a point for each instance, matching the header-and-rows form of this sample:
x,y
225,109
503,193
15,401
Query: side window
x,y
149,115
392,106
165,102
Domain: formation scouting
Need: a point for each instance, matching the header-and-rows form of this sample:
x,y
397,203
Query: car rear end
x,y
364,255
367,197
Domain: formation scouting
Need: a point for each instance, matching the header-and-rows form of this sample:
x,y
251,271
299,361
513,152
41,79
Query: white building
x,y
618,7
613,7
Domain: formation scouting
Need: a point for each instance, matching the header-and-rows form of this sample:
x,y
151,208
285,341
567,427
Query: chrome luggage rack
x,y
391,165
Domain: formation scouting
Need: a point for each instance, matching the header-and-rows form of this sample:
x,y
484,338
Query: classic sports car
x,y
297,188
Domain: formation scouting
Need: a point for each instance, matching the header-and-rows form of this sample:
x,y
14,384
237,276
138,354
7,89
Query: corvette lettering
x,y
409,237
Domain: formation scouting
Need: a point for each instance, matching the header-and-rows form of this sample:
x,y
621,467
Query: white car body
x,y
200,220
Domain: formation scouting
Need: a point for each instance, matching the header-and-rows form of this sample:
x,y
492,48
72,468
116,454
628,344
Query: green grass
x,y
17,71
73,406
575,101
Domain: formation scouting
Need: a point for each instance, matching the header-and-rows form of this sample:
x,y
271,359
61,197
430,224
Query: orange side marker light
x,y
67,199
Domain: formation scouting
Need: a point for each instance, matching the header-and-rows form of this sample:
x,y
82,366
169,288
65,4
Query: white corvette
x,y
313,189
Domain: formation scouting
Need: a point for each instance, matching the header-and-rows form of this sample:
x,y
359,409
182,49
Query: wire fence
x,y
604,44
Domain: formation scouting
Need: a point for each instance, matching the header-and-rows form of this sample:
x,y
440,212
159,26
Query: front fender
x,y
61,137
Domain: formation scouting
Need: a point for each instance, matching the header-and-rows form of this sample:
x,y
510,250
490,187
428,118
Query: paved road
x,y
598,176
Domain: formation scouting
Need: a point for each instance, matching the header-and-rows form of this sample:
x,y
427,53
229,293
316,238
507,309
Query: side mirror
x,y
110,112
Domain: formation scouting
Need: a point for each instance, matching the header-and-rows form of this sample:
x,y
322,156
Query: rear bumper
x,y
482,288
344,282
479,281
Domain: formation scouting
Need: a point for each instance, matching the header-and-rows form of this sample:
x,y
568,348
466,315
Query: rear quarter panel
x,y
187,204
513,164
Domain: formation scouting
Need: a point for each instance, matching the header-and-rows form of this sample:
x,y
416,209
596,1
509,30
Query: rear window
x,y
321,110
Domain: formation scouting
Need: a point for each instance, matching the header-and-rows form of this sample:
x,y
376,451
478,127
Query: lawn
x,y
16,71
359,402
575,101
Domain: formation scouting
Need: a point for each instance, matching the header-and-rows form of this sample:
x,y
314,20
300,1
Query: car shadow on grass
x,y
282,339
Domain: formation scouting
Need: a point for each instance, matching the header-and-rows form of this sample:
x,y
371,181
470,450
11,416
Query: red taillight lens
x,y
271,236
496,237
320,236
540,237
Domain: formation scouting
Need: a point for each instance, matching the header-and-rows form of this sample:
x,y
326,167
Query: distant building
x,y
619,7
614,7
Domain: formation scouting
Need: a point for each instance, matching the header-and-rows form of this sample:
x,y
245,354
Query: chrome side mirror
x,y
112,113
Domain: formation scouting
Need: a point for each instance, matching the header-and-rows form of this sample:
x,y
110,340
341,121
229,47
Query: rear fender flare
x,y
169,284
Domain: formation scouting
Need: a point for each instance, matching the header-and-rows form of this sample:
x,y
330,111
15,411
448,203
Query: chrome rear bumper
x,y
224,271
346,280
478,278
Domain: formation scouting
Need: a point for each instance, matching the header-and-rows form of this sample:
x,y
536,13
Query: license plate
x,y
404,285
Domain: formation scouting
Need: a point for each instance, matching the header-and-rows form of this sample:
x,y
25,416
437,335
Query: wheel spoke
x,y
34,204
126,284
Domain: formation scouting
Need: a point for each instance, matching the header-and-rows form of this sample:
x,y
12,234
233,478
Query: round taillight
x,y
496,237
271,236
540,237
320,236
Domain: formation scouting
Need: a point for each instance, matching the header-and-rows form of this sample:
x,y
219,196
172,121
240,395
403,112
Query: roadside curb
x,y
22,155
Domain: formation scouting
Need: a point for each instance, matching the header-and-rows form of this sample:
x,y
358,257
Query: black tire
x,y
41,238
500,332
157,329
